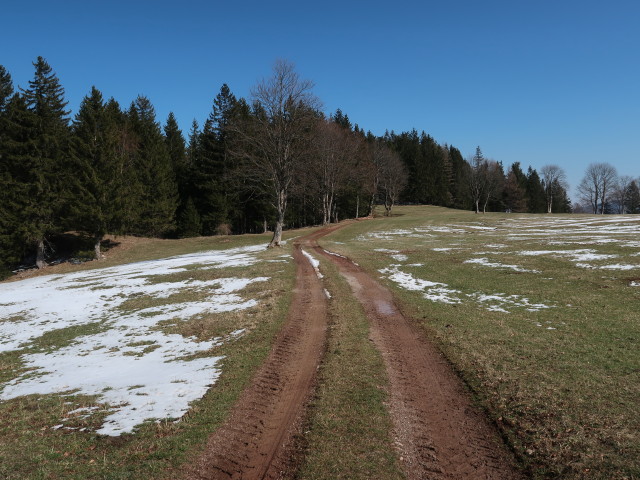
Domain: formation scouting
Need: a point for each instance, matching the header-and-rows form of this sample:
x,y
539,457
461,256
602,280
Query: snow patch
x,y
485,261
140,372
441,292
314,263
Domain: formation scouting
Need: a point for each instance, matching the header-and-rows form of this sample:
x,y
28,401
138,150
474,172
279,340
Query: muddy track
x,y
438,432
257,440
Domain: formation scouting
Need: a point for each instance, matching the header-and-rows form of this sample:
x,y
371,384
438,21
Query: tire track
x,y
438,433
257,440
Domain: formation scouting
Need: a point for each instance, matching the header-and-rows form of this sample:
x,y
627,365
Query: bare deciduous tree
x,y
333,164
620,194
376,154
596,185
393,178
554,179
275,139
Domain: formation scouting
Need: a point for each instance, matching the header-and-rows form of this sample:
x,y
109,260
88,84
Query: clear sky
x,y
539,82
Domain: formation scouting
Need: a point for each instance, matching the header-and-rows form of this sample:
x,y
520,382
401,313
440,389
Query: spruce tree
x,y
157,197
46,168
177,149
535,192
633,195
97,206
189,224
6,88
212,177
9,250
18,147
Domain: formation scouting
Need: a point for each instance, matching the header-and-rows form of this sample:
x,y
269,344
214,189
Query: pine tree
x,y
535,192
6,88
97,206
212,173
158,193
9,249
46,168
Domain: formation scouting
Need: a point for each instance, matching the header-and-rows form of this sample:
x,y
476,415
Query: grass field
x,y
538,314
88,358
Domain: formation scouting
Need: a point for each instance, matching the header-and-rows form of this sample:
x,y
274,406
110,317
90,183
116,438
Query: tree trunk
x,y
477,205
96,246
326,209
277,232
372,205
265,226
357,206
280,209
40,262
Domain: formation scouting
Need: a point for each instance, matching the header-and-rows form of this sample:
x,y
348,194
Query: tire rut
x,y
257,440
438,432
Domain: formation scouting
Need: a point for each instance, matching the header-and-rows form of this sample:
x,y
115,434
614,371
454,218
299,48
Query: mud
x,y
439,433
257,441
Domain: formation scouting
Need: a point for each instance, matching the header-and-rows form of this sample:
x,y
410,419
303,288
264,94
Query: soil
x,y
438,432
258,439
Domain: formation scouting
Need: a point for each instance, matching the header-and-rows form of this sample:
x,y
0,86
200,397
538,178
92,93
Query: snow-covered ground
x,y
139,372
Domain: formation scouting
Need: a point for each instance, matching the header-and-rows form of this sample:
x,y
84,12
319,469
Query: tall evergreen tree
x,y
100,193
46,168
212,170
633,195
535,192
9,220
158,194
6,88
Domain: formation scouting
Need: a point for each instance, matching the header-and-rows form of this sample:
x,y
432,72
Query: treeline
x,y
440,175
252,166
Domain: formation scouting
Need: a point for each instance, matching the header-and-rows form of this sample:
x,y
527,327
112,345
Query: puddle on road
x,y
385,308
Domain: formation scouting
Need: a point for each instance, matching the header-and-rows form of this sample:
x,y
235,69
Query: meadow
x,y
538,314
121,368
107,372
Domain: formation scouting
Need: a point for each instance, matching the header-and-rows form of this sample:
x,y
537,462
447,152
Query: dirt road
x,y
438,433
257,439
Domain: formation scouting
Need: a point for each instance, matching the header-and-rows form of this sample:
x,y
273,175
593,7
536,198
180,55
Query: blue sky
x,y
535,82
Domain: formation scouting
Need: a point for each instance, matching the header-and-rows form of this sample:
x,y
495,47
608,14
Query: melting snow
x,y
440,292
485,261
139,371
314,263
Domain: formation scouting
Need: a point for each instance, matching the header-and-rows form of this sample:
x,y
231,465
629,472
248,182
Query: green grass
x,y
566,399
349,430
31,449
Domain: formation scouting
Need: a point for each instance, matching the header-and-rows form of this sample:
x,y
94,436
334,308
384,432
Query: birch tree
x,y
477,178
